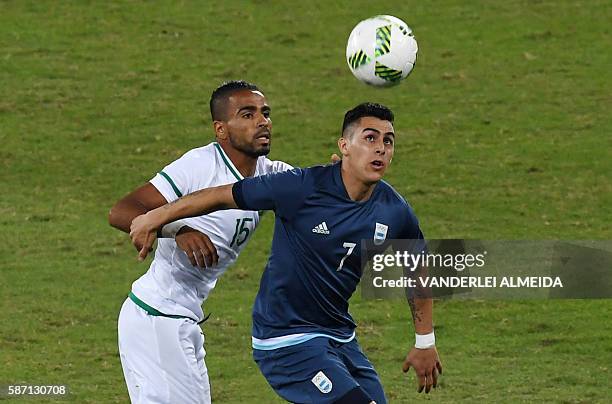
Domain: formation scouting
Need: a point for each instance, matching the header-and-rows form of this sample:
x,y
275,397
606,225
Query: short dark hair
x,y
219,97
367,109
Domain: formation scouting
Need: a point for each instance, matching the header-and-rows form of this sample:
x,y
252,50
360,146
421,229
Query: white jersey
x,y
172,285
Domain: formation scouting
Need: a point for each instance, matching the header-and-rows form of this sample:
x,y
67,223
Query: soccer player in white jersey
x,y
160,342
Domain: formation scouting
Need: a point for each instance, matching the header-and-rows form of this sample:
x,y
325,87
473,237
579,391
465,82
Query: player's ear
x,y
220,130
343,146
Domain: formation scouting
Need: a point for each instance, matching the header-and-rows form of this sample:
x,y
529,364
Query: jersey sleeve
x,y
176,179
282,192
410,238
412,231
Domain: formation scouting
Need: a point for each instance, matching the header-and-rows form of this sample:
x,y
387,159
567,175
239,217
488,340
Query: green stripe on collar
x,y
228,162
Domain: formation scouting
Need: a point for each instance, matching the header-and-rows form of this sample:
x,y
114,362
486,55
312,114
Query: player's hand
x,y
143,234
198,247
335,158
426,364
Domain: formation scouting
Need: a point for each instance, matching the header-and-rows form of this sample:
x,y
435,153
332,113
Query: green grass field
x,y
503,134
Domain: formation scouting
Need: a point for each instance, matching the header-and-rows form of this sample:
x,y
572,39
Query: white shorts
x,y
162,358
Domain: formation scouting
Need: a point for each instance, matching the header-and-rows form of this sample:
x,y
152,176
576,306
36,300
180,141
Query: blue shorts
x,y
320,370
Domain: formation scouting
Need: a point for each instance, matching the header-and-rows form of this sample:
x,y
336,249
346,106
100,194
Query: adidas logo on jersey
x,y
321,228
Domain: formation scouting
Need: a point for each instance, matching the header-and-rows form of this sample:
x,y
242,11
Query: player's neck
x,y
356,189
244,163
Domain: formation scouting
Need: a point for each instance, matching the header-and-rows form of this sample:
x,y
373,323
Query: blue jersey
x,y
315,263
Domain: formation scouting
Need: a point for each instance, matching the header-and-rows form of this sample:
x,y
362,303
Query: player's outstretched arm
x,y
143,229
423,357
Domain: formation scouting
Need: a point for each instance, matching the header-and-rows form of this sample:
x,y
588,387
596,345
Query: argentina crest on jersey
x,y
380,234
322,382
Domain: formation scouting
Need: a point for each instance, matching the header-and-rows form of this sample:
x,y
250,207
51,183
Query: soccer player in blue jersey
x,y
303,335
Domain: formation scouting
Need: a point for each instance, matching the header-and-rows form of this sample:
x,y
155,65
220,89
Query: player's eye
x,y
247,115
266,114
388,141
370,138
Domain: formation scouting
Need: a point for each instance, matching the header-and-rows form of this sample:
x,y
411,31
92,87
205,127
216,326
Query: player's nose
x,y
263,121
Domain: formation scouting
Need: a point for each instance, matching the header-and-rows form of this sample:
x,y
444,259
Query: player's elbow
x,y
114,217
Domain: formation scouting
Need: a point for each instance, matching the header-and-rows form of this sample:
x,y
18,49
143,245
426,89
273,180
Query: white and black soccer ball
x,y
381,51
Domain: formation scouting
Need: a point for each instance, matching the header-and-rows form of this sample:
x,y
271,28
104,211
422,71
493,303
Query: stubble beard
x,y
250,149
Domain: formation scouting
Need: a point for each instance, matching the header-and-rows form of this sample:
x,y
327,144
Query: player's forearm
x,y
422,314
196,204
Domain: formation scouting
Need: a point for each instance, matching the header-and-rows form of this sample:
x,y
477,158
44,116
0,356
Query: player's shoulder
x,y
320,176
320,169
203,158
296,178
202,152
321,172
312,172
387,192
197,166
399,207
265,166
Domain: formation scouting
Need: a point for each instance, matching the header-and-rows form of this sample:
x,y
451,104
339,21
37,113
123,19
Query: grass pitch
x,y
503,133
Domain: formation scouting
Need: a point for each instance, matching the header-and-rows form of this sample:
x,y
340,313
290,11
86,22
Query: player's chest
x,y
332,230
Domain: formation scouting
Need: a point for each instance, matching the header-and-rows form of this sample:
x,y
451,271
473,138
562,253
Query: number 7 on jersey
x,y
351,247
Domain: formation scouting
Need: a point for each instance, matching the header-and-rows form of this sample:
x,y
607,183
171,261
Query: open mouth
x,y
377,164
263,139
263,136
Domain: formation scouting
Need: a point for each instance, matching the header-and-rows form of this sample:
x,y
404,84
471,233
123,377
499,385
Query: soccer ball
x,y
381,51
